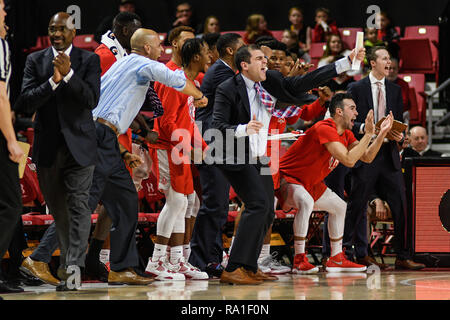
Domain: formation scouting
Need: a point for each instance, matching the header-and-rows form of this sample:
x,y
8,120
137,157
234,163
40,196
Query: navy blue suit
x,y
385,170
206,241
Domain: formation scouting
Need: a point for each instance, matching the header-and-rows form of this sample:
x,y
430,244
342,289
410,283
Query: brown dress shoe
x,y
367,261
39,270
259,275
238,276
128,276
408,265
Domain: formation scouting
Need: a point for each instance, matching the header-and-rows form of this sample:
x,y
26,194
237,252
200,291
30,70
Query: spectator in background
x,y
256,27
184,17
335,47
387,33
211,41
106,23
325,26
211,25
290,39
418,144
393,76
301,30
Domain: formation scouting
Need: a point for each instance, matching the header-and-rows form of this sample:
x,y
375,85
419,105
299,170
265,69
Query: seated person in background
x,y
256,27
335,47
387,33
184,17
211,41
418,147
371,40
324,27
299,27
290,39
340,82
211,25
393,76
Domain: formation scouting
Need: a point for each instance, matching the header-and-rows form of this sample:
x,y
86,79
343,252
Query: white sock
x,y
299,246
186,251
176,253
159,251
336,247
231,245
265,251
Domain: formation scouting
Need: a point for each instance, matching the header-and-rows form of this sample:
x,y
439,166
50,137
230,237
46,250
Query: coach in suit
x,y
242,112
62,85
377,93
206,241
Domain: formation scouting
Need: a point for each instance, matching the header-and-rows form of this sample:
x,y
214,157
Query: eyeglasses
x,y
54,29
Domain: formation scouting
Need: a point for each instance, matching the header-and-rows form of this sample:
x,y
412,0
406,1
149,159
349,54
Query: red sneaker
x,y
339,263
302,266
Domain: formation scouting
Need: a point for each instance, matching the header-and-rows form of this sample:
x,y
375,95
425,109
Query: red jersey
x,y
178,119
307,113
107,58
308,162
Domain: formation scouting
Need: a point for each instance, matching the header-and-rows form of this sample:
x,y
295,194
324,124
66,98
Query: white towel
x,y
109,40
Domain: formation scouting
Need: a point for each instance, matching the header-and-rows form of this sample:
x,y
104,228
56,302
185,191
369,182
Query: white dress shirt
x,y
258,142
68,76
374,87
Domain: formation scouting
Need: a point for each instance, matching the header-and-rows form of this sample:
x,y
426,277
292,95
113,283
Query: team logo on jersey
x,y
333,163
114,50
191,108
281,120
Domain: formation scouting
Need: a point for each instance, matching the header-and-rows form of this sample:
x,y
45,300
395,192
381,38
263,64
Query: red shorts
x,y
168,174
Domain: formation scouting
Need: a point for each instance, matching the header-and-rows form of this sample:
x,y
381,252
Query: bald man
x,y
123,90
62,85
418,144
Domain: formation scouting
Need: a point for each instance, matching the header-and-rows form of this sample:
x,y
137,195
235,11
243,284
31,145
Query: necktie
x,y
381,102
267,101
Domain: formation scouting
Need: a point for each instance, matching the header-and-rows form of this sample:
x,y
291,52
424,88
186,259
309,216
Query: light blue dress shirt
x,y
124,85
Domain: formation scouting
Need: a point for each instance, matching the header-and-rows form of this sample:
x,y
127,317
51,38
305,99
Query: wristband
x,y
124,153
199,98
350,60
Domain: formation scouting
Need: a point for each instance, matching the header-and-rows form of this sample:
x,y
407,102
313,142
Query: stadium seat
x,y
416,82
278,34
85,41
348,36
419,51
316,53
240,32
166,55
42,42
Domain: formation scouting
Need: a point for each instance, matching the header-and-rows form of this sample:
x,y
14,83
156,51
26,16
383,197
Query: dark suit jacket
x,y
65,113
289,90
216,74
410,152
362,95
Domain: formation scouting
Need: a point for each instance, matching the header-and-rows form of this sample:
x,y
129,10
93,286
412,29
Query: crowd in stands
x,y
188,242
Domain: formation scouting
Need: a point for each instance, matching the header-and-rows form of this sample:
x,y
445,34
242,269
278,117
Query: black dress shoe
x,y
6,287
96,271
214,270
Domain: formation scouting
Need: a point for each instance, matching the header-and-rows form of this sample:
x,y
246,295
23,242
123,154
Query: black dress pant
x,y
206,242
112,185
10,197
257,193
65,186
365,178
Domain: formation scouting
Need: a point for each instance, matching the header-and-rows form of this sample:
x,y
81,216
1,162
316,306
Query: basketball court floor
x,y
431,284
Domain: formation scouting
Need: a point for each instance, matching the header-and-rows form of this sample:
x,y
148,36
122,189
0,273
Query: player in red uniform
x,y
179,141
309,160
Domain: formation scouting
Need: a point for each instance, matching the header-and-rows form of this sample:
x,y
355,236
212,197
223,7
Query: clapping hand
x,y
369,126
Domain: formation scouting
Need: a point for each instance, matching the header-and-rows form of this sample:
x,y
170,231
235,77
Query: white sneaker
x,y
162,270
189,271
272,265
